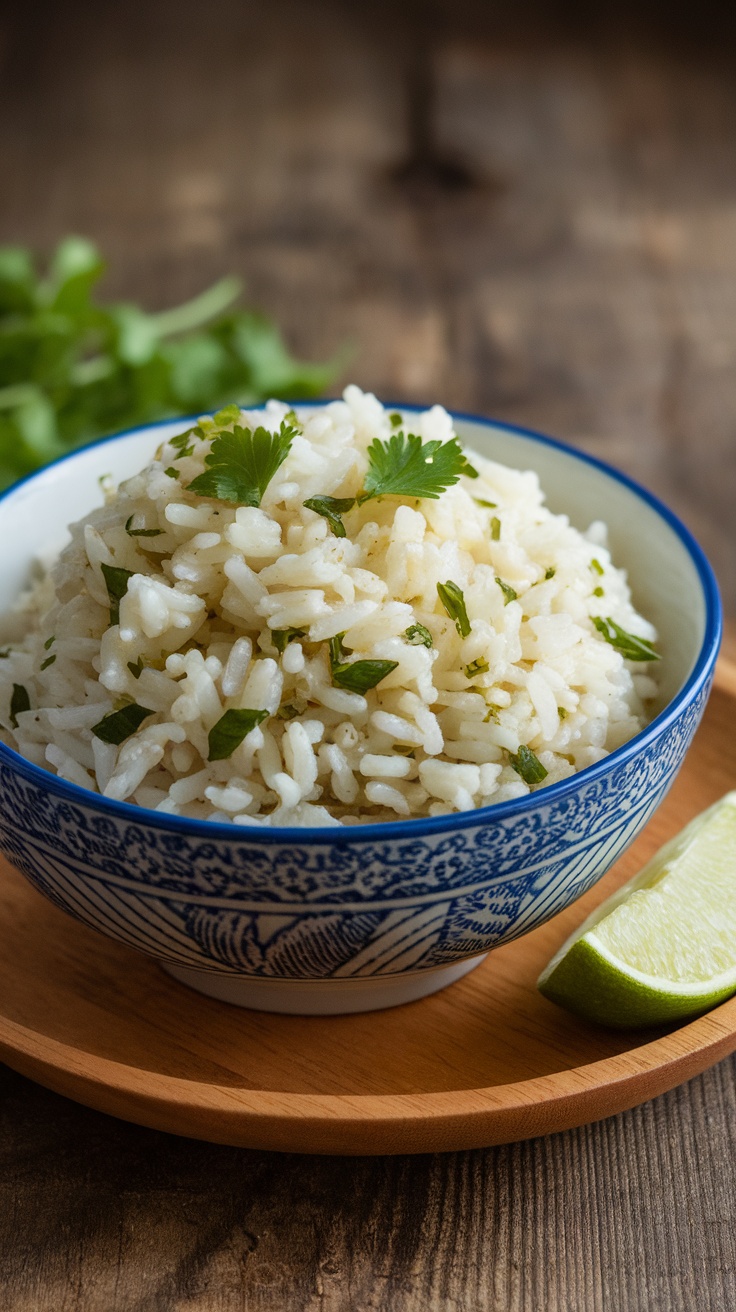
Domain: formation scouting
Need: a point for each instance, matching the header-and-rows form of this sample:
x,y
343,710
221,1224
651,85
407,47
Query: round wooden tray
x,y
486,1061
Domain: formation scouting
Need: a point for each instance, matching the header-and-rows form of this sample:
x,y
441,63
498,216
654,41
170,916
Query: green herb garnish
x,y
332,509
241,464
630,647
487,505
171,472
596,566
136,667
550,572
395,419
491,714
230,731
495,529
454,603
418,636
598,592
562,712
287,712
49,642
282,637
19,701
49,661
74,369
476,667
141,532
119,725
116,580
360,676
526,764
404,466
509,593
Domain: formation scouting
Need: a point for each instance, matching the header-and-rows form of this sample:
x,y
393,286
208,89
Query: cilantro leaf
x,y
19,701
49,661
241,464
453,601
629,645
596,566
487,505
509,593
418,636
359,676
119,725
282,637
136,667
526,764
230,730
405,466
332,508
141,532
49,642
117,586
495,529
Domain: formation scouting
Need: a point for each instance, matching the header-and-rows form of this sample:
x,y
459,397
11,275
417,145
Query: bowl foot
x,y
321,997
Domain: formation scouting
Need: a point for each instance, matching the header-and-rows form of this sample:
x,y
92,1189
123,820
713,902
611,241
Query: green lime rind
x,y
588,982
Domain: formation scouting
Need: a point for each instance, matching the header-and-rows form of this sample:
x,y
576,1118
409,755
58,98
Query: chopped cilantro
x,y
282,637
491,714
509,593
49,661
49,642
119,725
562,712
136,667
171,472
116,580
418,636
395,419
495,529
487,505
286,712
476,667
596,566
550,572
629,645
332,509
359,676
526,764
19,701
454,603
241,464
141,532
598,592
230,730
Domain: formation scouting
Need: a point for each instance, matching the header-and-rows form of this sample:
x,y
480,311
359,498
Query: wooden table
x,y
526,216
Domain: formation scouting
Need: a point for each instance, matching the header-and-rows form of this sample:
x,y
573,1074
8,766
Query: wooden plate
x,y
486,1061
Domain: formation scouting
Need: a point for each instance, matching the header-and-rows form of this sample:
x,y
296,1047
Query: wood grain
x,y
583,282
485,1061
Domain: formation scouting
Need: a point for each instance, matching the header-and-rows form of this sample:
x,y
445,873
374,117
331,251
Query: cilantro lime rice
x,y
335,616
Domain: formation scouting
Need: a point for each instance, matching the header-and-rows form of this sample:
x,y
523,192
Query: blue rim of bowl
x,y
216,830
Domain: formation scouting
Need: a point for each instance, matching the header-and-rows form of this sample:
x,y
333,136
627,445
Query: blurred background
x,y
527,211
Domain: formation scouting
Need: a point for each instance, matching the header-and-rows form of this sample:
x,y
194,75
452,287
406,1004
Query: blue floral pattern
x,y
317,909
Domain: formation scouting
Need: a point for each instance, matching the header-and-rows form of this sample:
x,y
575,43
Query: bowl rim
x,y
429,826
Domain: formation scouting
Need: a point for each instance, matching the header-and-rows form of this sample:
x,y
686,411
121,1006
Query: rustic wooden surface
x,y
530,214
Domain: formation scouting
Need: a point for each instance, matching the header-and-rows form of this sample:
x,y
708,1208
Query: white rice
x,y
206,593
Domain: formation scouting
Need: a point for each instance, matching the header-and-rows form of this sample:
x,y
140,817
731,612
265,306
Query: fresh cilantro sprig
x,y
629,645
241,463
401,466
73,369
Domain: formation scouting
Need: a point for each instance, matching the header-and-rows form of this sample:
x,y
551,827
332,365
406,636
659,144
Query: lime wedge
x,y
663,947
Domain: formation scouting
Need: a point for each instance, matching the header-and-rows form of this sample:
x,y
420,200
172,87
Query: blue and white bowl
x,y
338,920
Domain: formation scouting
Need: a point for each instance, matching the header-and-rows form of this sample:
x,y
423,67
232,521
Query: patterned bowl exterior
x,y
392,899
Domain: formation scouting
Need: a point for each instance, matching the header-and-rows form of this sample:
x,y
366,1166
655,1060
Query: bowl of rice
x,y
318,705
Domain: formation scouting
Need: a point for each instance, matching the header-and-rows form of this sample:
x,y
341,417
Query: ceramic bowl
x,y
338,920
